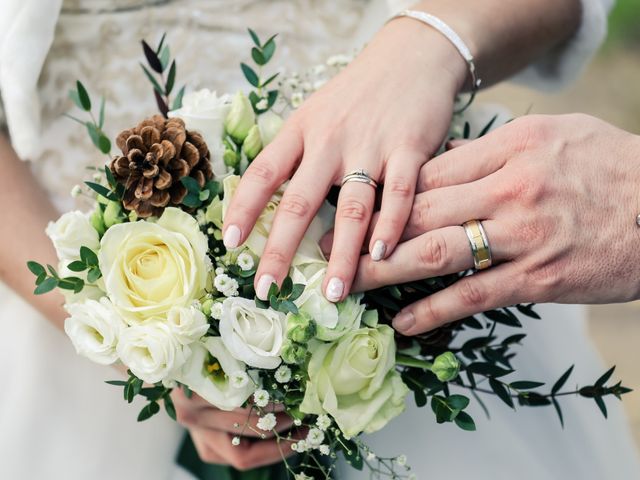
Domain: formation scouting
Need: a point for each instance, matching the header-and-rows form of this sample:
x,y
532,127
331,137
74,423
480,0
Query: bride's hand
x,y
212,431
386,113
558,197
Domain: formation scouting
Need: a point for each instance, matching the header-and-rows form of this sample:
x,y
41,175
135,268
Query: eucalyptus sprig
x,y
48,278
199,197
163,82
134,386
281,299
82,99
261,53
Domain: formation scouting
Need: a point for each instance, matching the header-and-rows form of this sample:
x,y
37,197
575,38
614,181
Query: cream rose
x,y
253,335
94,328
205,112
308,251
70,232
354,380
151,351
270,124
332,320
187,324
208,372
151,267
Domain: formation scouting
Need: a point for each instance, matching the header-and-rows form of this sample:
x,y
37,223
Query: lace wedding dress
x,y
58,420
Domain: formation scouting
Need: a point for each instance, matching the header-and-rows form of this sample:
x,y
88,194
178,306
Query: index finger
x,y
263,177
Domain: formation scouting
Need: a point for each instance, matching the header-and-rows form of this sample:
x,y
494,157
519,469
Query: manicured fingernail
x,y
404,321
264,284
335,289
231,237
378,251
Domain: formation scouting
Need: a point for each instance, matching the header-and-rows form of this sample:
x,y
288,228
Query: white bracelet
x,y
455,39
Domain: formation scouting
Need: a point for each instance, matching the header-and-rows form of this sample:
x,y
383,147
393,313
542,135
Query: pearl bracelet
x,y
455,39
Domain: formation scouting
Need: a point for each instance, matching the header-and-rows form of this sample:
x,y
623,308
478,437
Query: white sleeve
x,y
565,63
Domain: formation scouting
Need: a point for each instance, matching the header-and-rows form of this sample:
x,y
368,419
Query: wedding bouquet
x,y
149,285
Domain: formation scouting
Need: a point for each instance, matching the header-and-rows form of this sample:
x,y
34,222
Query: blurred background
x,y
610,90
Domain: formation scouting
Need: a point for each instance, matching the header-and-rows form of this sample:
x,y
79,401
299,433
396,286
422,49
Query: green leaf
x,y
465,422
52,271
272,96
296,291
503,317
269,48
171,78
457,402
250,75
525,385
104,144
165,56
287,287
441,409
88,256
467,130
148,411
528,311
161,43
83,96
273,290
488,369
117,383
501,391
600,403
177,102
73,95
102,190
101,114
288,306
513,339
257,56
170,407
606,376
154,82
35,268
270,79
191,184
77,266
93,275
110,178
254,37
192,200
94,133
556,405
487,127
46,286
561,381
152,57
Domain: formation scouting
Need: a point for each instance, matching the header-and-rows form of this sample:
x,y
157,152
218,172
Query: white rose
x,y
333,320
208,372
308,251
187,324
205,112
269,124
151,267
70,232
94,328
151,351
253,335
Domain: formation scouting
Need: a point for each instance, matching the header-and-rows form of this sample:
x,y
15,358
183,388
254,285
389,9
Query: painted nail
x,y
378,251
404,321
264,284
231,237
335,289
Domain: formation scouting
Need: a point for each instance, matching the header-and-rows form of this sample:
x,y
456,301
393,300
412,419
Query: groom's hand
x,y
212,431
558,197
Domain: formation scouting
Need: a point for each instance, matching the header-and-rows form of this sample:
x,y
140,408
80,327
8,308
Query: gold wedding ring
x,y
360,176
480,249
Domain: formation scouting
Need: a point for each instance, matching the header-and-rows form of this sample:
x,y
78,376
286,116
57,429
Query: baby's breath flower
x,y
294,447
268,422
371,456
297,422
296,99
216,310
283,374
226,285
324,449
261,398
239,379
210,231
245,262
262,104
235,441
323,422
319,69
401,460
315,437
76,191
219,270
302,446
302,476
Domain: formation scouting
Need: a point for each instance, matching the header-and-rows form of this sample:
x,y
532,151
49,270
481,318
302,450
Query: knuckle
x,y
431,176
354,210
400,187
390,224
546,279
523,188
433,252
426,314
471,294
272,256
530,132
296,205
421,212
347,260
262,172
185,416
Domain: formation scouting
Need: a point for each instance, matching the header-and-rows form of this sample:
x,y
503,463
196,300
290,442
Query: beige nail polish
x,y
335,289
404,321
264,284
378,251
231,237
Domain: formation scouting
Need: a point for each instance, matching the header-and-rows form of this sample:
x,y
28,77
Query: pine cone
x,y
156,155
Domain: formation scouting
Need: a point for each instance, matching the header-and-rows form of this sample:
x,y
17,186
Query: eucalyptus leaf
x,y
171,78
561,381
152,57
83,96
46,286
35,268
148,411
465,422
254,37
250,75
